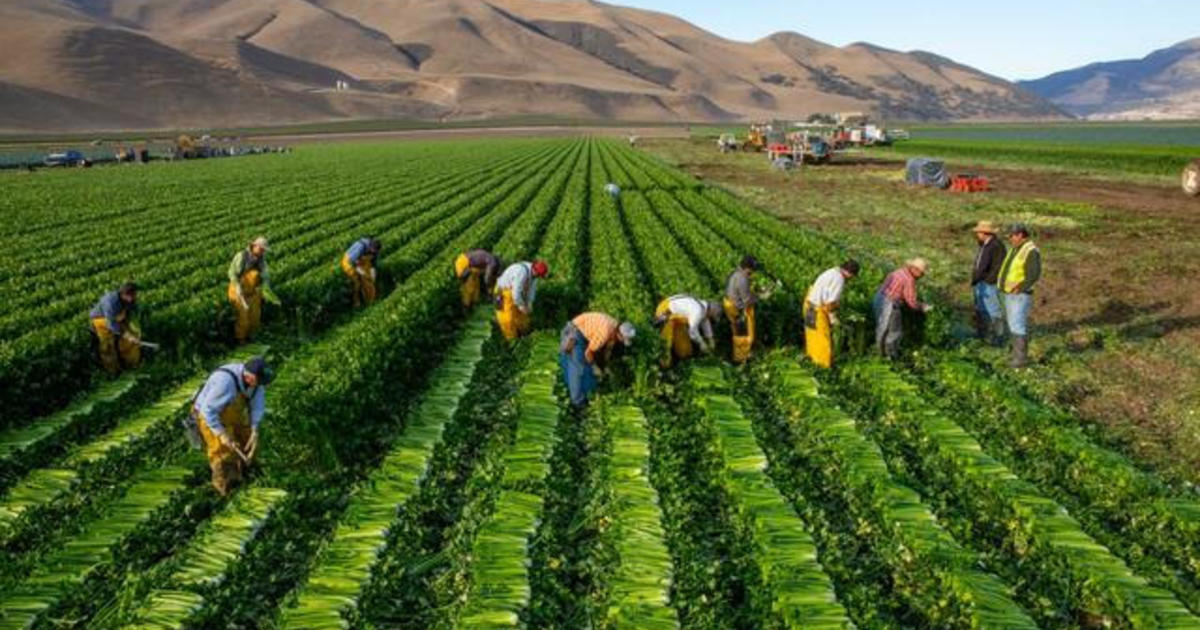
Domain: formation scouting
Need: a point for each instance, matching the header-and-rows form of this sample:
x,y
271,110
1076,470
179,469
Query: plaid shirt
x,y
901,286
599,329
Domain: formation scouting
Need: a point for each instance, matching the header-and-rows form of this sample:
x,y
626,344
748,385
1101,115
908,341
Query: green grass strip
x,y
937,576
640,590
801,593
1038,534
345,565
70,565
14,442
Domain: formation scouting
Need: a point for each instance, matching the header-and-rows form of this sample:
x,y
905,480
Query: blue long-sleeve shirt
x,y
111,308
357,250
520,280
219,392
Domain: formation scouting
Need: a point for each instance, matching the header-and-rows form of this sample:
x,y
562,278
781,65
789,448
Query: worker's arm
x,y
696,319
490,271
519,285
258,407
533,285
706,330
111,310
235,269
355,252
909,293
595,346
1033,271
215,397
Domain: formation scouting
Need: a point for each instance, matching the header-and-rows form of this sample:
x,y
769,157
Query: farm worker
x,y
739,307
898,291
471,268
612,189
989,321
249,283
821,303
585,345
228,411
685,320
358,263
117,330
516,290
1021,270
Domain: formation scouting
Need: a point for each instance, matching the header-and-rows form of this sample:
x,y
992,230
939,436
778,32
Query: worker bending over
x,y
476,272
515,292
821,303
228,411
897,293
358,263
249,283
685,320
739,307
116,329
989,320
585,346
613,190
1021,270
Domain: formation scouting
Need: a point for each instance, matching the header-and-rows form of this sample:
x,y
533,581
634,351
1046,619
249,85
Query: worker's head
x,y
850,269
984,230
1018,234
373,245
918,267
749,264
540,269
625,334
258,246
713,310
256,372
128,292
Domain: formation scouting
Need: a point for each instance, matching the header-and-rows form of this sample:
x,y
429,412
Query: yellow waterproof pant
x,y
818,338
226,465
470,286
677,342
115,352
246,318
743,339
362,285
513,323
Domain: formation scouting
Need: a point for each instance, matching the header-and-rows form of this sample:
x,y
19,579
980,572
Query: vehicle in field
x,y
728,143
801,147
66,158
1191,179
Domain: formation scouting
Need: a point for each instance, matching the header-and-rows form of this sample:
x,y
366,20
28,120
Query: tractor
x,y
756,140
1191,179
727,143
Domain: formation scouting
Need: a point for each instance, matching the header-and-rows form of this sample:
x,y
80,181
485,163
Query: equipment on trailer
x,y
727,143
968,183
921,171
801,147
1191,179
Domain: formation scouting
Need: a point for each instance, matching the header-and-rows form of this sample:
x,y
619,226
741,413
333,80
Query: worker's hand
x,y
130,337
374,273
524,309
360,271
252,445
925,308
270,296
833,319
226,441
598,371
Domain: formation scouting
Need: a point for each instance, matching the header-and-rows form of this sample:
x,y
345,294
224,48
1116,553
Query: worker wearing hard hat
x,y
989,320
684,321
821,303
739,307
585,346
515,292
116,329
1021,270
897,293
249,284
228,410
476,272
358,263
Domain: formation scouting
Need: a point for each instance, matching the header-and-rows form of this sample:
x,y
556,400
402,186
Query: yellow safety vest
x,y
1012,273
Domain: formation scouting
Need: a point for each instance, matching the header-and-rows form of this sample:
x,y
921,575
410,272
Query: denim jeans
x,y
1016,312
889,326
577,372
987,302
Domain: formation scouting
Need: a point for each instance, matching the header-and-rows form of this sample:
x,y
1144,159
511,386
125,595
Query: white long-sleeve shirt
x,y
828,288
519,278
696,312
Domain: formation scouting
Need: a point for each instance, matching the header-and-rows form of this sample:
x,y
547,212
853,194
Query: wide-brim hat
x,y
628,332
261,241
985,227
919,264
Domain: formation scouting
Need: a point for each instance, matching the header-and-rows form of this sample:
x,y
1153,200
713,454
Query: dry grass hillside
x,y
80,64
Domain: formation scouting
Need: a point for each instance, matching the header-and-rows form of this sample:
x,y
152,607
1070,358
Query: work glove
x,y
524,309
270,296
833,319
130,337
598,371
226,441
374,273
252,445
360,271
926,308
241,296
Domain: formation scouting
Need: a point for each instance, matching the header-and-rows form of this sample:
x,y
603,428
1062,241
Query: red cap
x,y
540,269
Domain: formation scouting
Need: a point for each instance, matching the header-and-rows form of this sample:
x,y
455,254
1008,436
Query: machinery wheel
x,y
1191,179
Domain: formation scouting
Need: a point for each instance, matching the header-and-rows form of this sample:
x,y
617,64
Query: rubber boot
x,y
999,328
1020,352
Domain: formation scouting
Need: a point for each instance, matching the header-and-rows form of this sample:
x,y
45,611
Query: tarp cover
x,y
926,172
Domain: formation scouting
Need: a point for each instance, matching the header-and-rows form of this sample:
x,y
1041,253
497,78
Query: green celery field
x,y
419,471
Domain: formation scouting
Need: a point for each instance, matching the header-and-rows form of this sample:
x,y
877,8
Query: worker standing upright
x,y
358,263
585,346
515,292
227,411
821,303
1021,270
249,284
989,320
117,332
739,303
684,321
476,272
897,293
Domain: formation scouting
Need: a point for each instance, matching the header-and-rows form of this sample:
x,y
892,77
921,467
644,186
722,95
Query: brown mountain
x,y
86,64
1164,84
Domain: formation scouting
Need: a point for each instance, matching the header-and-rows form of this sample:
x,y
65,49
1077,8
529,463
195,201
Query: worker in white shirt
x,y
820,311
685,320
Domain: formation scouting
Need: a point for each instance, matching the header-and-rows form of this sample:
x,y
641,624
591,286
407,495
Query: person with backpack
x,y
227,412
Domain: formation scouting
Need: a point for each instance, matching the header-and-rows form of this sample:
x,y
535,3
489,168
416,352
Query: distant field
x,y
1183,134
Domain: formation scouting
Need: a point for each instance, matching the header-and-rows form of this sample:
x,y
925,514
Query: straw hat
x,y
920,264
261,241
985,227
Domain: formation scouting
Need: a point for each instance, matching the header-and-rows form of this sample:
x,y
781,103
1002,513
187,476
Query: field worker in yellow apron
x,y
249,284
585,347
515,292
820,311
116,329
1021,270
358,263
476,272
686,321
739,307
228,410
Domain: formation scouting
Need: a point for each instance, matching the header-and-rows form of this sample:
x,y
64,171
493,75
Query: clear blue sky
x,y
1014,39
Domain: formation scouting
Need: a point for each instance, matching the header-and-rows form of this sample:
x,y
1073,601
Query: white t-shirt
x,y
697,316
828,288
